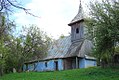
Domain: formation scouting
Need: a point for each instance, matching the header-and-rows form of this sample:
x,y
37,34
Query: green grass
x,y
77,74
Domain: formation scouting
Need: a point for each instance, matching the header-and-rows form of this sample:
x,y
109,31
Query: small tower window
x,y
77,30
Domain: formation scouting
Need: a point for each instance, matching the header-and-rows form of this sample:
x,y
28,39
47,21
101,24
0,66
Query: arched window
x,y
77,30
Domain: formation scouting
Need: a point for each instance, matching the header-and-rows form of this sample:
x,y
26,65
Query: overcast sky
x,y
54,15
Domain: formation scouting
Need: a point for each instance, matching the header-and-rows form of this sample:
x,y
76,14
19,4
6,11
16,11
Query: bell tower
x,y
77,26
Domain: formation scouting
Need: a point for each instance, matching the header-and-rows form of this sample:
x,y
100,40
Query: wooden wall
x,y
69,63
77,36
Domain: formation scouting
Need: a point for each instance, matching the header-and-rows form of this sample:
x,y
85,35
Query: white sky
x,y
54,15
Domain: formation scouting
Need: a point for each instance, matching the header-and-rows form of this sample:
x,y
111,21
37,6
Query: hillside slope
x,y
77,74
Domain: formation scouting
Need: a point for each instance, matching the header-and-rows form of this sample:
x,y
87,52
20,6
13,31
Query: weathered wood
x,y
76,62
77,31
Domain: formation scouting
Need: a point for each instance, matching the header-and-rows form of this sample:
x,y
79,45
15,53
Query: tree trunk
x,y
1,71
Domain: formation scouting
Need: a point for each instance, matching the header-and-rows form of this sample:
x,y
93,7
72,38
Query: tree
x,y
15,51
36,41
8,5
3,53
5,31
11,48
30,46
104,27
15,58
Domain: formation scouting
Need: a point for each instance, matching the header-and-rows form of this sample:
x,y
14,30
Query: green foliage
x,y
61,36
15,52
3,53
77,74
32,45
117,49
36,42
5,29
104,28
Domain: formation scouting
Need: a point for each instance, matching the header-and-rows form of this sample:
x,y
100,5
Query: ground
x,y
77,74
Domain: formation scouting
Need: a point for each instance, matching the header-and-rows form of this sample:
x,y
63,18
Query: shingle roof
x,y
79,16
63,48
74,49
59,48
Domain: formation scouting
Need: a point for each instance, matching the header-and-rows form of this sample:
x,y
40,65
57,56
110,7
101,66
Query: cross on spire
x,y
80,4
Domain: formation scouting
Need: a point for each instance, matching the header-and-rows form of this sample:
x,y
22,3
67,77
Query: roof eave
x,y
78,21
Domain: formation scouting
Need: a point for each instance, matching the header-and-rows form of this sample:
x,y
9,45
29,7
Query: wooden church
x,y
70,52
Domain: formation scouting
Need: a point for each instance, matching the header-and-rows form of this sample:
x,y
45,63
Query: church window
x,y
77,30
46,64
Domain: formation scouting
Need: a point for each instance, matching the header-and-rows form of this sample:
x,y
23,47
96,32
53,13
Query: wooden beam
x,y
76,62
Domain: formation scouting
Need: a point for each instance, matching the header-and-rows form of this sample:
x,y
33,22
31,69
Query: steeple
x,y
77,26
79,17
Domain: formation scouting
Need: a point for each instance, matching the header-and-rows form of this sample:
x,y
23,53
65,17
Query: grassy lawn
x,y
77,74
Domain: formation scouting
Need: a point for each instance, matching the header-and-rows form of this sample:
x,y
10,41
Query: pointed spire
x,y
79,16
80,12
80,4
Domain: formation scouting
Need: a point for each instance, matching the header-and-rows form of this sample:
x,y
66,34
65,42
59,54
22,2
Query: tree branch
x,y
26,10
